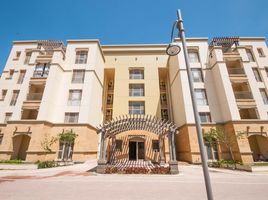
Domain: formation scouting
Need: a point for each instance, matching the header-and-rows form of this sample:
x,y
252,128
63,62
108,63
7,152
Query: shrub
x,y
111,170
47,164
136,170
160,170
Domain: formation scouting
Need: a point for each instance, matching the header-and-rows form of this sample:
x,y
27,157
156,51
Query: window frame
x,y
257,75
76,78
14,98
68,116
135,90
200,75
204,98
193,59
264,95
260,52
207,115
74,101
132,108
250,55
81,57
136,76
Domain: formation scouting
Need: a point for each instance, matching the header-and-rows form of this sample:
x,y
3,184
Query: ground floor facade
x,y
33,141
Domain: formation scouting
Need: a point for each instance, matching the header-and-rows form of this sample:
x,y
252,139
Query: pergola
x,y
162,128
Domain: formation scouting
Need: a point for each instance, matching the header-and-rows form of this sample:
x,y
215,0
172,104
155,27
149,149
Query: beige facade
x,y
47,88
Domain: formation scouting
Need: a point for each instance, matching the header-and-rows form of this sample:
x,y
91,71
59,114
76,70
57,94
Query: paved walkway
x,y
74,182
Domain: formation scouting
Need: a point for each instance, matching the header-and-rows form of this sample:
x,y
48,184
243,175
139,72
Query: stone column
x,y
102,158
173,164
162,161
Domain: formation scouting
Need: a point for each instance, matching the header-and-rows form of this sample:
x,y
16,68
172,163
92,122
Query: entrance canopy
x,y
137,122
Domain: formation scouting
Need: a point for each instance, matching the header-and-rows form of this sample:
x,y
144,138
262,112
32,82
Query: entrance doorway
x,y
136,150
20,147
259,147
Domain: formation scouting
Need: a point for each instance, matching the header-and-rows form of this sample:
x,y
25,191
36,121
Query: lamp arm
x,y
172,32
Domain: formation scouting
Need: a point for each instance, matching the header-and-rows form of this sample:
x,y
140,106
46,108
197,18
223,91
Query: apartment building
x,y
133,101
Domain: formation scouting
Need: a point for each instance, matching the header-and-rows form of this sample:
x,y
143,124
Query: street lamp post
x,y
173,50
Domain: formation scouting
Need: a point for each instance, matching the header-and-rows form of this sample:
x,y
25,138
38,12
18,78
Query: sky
x,y
127,21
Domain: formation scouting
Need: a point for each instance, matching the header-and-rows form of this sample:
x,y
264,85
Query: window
x,y
1,138
162,85
108,115
136,74
65,151
81,57
250,55
11,72
41,70
21,76
27,57
136,89
17,55
71,118
74,97
197,75
3,95
264,96
201,96
118,145
155,145
109,99
164,114
14,97
193,56
260,52
7,117
136,107
78,76
257,74
204,117
163,99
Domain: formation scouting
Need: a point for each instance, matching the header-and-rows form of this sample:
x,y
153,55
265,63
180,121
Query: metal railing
x,y
35,96
236,71
243,95
40,74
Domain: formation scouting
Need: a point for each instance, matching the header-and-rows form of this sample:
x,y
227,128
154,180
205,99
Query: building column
x,y
173,164
162,161
102,156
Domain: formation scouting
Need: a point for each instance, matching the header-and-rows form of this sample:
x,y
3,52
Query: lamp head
x,y
173,49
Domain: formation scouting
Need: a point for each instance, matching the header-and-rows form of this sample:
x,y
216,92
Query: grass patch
x,y
261,164
11,161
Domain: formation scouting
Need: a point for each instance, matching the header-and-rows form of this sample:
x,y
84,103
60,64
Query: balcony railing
x,y
34,96
243,95
236,71
40,74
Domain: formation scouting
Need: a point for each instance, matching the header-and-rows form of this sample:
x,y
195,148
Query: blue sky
x,y
127,21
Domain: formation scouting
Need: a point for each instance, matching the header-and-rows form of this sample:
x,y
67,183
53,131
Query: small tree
x,y
67,136
47,143
219,136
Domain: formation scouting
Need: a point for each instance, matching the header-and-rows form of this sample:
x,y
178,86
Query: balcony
x,y
248,113
29,114
34,96
243,95
233,71
40,74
